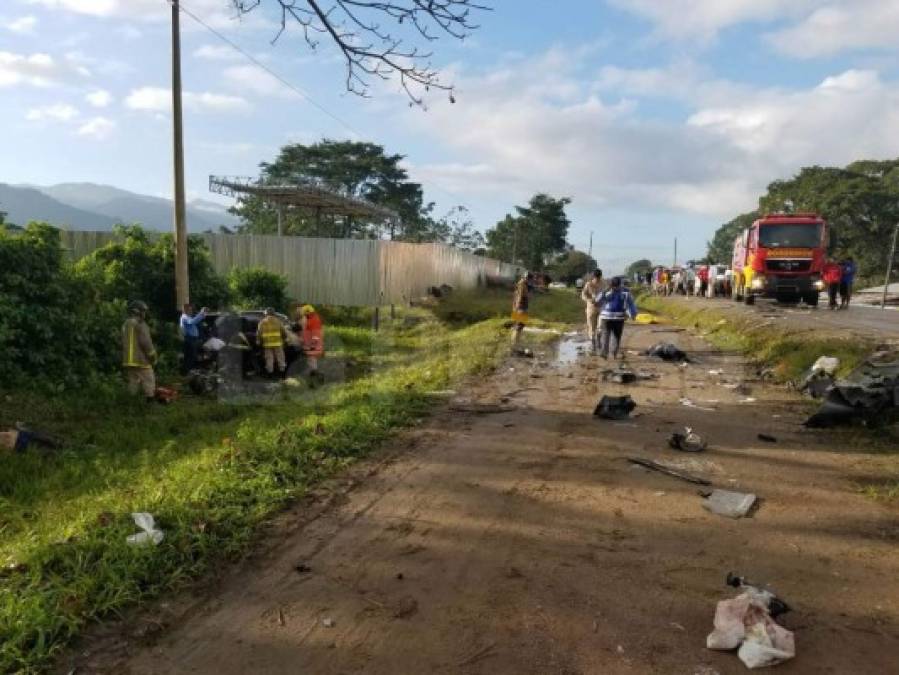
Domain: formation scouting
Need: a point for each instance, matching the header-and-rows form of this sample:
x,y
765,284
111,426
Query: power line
x,y
259,64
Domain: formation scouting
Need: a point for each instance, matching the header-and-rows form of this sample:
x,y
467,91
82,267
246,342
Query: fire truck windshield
x,y
806,235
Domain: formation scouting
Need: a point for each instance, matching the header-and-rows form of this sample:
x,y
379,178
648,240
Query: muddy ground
x,y
523,542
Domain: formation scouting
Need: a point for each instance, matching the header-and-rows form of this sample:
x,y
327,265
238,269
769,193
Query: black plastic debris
x,y
667,352
767,438
668,471
776,606
689,441
614,407
869,394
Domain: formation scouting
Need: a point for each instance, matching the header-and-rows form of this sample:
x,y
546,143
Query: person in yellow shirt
x,y
271,335
138,353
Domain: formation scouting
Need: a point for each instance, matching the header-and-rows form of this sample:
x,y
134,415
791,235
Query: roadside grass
x,y
209,471
553,306
788,352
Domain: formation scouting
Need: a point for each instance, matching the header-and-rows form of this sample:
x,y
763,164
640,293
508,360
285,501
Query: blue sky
x,y
659,118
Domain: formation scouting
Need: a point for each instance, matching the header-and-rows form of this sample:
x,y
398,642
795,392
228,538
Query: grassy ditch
x,y
209,471
788,352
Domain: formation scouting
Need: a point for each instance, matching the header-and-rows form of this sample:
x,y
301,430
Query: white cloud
x,y
100,98
841,26
158,99
24,25
252,79
703,19
217,53
38,70
59,112
97,128
508,138
217,13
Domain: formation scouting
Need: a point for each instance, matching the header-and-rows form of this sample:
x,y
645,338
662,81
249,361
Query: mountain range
x,y
89,206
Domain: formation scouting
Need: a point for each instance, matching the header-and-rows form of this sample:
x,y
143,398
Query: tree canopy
x,y
860,202
531,237
371,50
641,266
572,265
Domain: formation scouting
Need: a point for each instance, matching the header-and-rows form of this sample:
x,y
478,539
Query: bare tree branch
x,y
371,51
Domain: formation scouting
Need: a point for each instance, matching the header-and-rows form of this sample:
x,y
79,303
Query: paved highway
x,y
860,319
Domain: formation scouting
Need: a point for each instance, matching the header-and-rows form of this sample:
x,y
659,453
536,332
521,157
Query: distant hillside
x,y
88,206
154,213
24,204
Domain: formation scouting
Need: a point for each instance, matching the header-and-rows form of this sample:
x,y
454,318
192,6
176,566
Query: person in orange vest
x,y
831,274
138,353
271,335
313,337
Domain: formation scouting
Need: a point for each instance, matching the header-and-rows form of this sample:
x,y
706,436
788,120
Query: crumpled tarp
x,y
863,395
614,407
746,622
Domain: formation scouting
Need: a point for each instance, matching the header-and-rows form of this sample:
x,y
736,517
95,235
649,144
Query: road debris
x,y
150,534
690,404
482,408
767,438
328,622
747,622
523,353
614,407
667,352
655,466
620,376
689,441
863,396
748,399
729,504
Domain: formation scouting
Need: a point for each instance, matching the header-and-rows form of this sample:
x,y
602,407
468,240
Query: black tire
x,y
812,299
749,299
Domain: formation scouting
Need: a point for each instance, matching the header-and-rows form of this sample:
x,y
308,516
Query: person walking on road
x,y
615,305
520,303
189,325
271,335
138,352
703,276
846,280
591,289
832,274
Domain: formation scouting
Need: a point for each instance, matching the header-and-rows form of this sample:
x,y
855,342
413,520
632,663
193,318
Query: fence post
x,y
376,319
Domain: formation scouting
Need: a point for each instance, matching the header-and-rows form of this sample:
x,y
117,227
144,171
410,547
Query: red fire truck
x,y
781,256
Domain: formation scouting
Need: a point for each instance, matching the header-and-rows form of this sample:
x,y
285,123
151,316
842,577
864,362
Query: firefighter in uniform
x,y
270,335
138,353
313,337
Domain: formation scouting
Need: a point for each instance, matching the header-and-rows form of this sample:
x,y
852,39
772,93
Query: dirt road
x,y
522,542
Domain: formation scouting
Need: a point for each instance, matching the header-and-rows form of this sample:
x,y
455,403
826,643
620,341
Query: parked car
x,y
238,333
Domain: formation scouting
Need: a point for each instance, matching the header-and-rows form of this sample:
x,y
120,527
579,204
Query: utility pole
x,y
886,283
590,248
182,282
675,252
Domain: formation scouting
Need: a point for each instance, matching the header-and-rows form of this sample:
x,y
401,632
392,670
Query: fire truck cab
x,y
781,256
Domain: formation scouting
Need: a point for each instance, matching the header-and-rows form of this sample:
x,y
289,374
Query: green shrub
x,y
256,287
51,327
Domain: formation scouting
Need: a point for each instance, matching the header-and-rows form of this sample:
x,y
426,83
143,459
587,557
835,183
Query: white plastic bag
x,y
150,534
826,364
745,622
213,344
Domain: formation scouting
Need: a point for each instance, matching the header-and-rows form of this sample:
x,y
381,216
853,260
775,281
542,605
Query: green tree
x,y
51,330
536,233
354,169
571,265
138,267
721,248
258,288
641,266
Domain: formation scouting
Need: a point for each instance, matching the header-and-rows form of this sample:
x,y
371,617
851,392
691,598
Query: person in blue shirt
x,y
615,304
190,331
846,280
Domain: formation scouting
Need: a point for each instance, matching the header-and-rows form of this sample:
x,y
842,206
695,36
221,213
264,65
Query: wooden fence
x,y
351,272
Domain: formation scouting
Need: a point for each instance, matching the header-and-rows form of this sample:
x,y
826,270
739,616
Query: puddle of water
x,y
569,350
